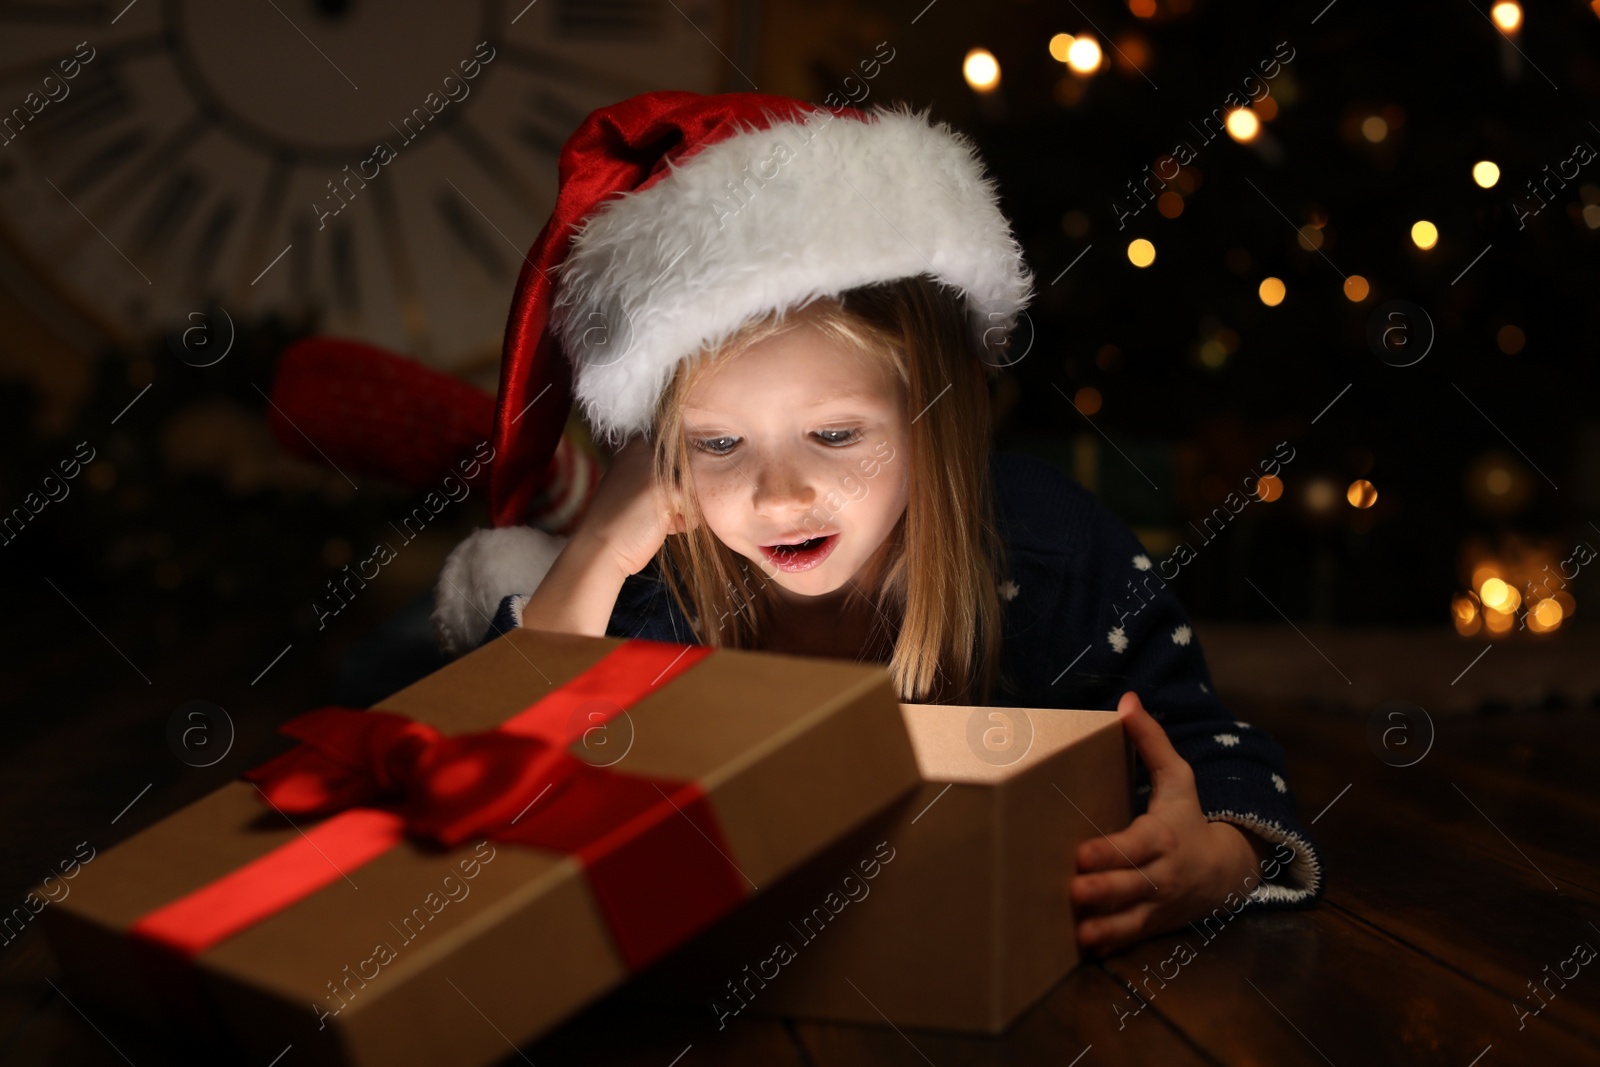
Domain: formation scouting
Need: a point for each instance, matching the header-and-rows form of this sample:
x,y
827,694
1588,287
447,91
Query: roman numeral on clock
x,y
464,224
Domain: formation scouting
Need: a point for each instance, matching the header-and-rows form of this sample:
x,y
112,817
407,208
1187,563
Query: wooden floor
x,y
1454,885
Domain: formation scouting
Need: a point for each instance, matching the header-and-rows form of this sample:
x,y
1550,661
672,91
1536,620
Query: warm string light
x,y
1424,234
1243,125
1507,16
1485,174
1361,494
1085,56
1522,583
982,70
1081,53
1320,495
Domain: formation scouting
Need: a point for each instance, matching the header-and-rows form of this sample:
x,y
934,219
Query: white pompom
x,y
488,566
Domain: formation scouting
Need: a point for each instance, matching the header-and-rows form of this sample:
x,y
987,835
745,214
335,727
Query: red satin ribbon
x,y
652,849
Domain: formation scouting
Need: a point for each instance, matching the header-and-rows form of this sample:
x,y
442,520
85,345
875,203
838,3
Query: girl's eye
x,y
716,446
849,437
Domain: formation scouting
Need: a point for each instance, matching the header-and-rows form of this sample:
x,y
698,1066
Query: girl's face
x,y
800,438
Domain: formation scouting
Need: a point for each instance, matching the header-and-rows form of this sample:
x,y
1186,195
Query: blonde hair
x,y
933,583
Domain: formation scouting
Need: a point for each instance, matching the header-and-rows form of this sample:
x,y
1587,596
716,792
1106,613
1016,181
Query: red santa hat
x,y
681,216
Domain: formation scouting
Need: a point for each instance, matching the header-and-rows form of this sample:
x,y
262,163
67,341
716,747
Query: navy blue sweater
x,y
1088,616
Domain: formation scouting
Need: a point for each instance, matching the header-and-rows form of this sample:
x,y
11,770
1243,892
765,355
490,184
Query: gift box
x,y
485,851
950,910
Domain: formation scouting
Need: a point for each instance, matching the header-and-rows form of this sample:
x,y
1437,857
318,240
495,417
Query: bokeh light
x,y
981,70
1361,494
1485,174
1084,55
1271,291
1141,253
1356,288
1321,495
1510,339
1499,595
1424,234
1059,45
1269,488
1545,615
1507,15
1374,129
1087,400
1514,587
1243,125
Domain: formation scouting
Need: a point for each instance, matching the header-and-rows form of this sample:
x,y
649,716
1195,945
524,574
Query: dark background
x,y
156,554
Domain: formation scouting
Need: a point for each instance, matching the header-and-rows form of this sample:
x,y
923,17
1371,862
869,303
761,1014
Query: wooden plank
x,y
1075,1017
612,1031
1498,810
618,1030
1452,889
1317,987
1496,923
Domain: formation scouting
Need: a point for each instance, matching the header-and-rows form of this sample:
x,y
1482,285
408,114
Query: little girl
x,y
790,315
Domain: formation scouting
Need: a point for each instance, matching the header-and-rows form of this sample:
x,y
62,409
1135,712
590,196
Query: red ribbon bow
x,y
447,789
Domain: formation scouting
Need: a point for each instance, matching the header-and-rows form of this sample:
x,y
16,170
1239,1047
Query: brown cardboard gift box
x,y
406,948
948,911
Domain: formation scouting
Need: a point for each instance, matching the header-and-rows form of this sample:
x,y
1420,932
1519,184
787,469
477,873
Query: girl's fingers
x,y
1134,847
1167,768
1110,891
1107,933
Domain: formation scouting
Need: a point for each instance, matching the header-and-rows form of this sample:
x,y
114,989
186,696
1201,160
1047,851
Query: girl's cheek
x,y
715,495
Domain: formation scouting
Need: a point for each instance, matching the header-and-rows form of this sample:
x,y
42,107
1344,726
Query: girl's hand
x,y
1170,866
630,514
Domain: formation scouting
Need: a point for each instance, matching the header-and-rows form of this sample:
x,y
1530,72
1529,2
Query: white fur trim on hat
x,y
488,566
769,219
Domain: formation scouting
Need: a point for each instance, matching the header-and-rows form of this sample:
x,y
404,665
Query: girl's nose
x,y
782,487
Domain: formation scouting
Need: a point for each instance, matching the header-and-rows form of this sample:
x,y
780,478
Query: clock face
x,y
386,165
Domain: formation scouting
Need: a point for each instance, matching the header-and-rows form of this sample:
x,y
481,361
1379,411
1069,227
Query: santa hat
x,y
681,216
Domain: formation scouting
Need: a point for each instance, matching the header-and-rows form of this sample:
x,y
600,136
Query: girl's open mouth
x,y
793,559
